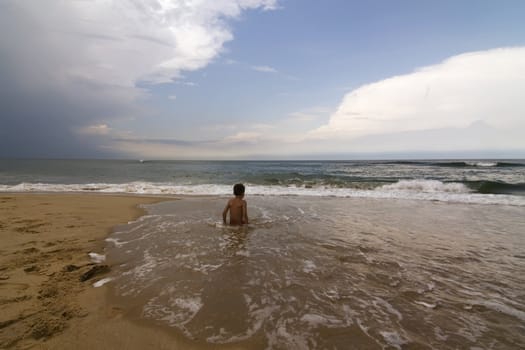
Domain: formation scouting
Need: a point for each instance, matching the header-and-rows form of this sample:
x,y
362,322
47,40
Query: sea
x,y
394,254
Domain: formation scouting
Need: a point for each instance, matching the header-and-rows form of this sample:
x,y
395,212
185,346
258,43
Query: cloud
x,y
484,86
67,65
99,129
475,140
228,148
172,97
309,115
121,43
264,69
468,105
250,137
302,117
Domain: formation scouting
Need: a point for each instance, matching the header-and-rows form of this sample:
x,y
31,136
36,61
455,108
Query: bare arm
x,y
244,213
225,212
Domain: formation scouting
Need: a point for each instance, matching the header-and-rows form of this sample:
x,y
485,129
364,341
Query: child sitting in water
x,y
237,207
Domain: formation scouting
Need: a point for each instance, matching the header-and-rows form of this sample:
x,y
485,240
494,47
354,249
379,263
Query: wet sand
x,y
44,244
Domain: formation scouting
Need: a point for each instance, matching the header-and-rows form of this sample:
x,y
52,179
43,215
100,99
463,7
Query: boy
x,y
237,207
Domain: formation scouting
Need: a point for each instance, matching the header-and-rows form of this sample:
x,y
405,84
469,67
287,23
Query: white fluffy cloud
x,y
126,41
484,86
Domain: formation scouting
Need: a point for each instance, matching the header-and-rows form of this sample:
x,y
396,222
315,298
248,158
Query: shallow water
x,y
323,273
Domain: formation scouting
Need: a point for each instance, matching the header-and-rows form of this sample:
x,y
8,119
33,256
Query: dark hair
x,y
238,189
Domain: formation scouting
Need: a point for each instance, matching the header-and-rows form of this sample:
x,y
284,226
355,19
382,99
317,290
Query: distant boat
x,y
142,160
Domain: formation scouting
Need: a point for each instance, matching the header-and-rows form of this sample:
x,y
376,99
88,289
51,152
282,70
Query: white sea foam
x,y
309,266
500,307
483,164
192,305
316,320
97,258
152,309
438,332
393,339
426,186
115,241
206,268
425,304
243,252
432,190
289,339
392,310
180,312
143,270
102,282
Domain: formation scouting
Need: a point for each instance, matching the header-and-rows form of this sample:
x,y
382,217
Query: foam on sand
x,y
102,282
97,258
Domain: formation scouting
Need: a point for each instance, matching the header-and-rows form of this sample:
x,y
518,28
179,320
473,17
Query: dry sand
x,y
44,244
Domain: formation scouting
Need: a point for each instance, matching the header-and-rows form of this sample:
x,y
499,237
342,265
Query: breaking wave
x,y
460,164
484,192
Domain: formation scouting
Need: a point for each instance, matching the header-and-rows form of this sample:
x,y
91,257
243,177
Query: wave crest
x,y
425,186
404,189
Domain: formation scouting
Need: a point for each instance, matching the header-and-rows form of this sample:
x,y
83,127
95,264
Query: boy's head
x,y
238,190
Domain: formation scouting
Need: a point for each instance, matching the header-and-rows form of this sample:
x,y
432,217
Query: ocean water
x,y
464,181
337,255
327,273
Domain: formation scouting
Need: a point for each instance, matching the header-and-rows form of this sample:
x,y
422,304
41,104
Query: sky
x,y
262,79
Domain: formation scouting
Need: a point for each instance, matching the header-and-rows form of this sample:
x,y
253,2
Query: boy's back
x,y
237,207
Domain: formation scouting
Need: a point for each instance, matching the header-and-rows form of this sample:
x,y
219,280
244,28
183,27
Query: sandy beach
x,y
45,241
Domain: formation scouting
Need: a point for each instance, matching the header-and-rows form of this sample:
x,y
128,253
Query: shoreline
x,y
45,240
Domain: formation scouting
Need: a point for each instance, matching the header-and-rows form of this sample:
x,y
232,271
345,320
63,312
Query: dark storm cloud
x,y
41,113
48,122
